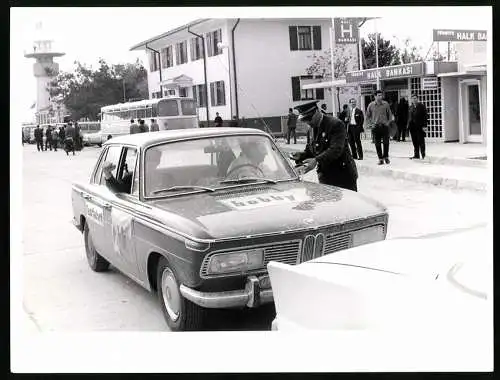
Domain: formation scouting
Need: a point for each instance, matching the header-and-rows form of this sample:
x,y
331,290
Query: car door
x,y
96,203
119,215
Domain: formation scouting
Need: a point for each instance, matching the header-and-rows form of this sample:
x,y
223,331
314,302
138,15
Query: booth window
x,y
431,98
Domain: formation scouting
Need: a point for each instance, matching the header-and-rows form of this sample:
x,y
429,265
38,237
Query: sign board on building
x,y
429,83
455,35
389,72
346,30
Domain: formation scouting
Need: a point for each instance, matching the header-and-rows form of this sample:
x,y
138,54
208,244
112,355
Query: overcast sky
x,y
85,34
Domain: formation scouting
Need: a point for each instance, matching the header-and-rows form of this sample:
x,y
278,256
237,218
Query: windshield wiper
x,y
247,180
174,188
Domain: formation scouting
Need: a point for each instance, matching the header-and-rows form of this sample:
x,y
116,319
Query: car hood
x,y
265,208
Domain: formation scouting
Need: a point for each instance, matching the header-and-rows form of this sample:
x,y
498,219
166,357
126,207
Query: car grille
x,y
318,245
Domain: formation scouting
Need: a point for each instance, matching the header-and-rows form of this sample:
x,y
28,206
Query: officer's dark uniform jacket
x,y
328,145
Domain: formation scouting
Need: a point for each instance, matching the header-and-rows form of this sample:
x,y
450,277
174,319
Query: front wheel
x,y
96,262
180,313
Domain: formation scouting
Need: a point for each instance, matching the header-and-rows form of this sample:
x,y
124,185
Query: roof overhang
x,y
143,45
329,84
179,81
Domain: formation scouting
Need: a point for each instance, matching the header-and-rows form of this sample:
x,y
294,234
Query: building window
x,y
183,92
167,58
300,94
196,48
217,94
432,100
199,95
305,37
213,39
181,53
154,61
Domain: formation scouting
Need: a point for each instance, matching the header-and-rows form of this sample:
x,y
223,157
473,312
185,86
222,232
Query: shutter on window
x,y
151,62
222,101
195,98
320,93
295,88
316,37
294,43
212,94
191,49
209,44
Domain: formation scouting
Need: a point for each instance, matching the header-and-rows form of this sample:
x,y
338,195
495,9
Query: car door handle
x,y
86,196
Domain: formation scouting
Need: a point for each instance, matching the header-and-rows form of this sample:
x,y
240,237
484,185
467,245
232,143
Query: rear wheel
x,y
96,262
180,313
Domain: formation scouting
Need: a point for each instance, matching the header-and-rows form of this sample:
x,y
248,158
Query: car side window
x,y
113,156
127,170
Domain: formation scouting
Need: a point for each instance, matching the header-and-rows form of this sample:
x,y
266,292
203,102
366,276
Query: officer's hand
x,y
107,168
310,164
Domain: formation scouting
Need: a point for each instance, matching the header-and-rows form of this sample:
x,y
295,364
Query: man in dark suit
x,y
327,149
39,138
354,129
417,125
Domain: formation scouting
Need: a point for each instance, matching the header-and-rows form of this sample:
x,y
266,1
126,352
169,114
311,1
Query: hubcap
x,y
171,295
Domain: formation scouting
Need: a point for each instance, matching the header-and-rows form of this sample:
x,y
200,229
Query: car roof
x,y
151,138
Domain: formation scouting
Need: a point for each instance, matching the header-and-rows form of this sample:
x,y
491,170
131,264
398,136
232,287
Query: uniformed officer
x,y
327,149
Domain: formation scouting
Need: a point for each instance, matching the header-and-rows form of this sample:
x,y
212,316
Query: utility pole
x,y
124,98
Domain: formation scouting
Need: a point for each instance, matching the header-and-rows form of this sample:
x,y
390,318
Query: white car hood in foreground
x,y
423,284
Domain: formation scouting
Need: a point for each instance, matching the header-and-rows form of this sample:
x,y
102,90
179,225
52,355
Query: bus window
x,y
188,107
148,112
124,115
141,114
132,114
154,110
168,107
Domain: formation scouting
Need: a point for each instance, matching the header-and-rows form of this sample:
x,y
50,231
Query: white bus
x,y
170,113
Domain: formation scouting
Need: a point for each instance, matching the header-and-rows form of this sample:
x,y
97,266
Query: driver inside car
x,y
250,162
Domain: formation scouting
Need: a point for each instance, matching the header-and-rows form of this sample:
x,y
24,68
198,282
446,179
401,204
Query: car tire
x,y
99,145
179,313
96,262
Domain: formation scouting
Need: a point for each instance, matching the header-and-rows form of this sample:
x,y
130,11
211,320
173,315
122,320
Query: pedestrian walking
x,y
143,126
327,149
55,138
48,138
134,128
218,120
78,139
417,125
69,140
234,122
402,119
354,130
379,116
291,124
62,136
39,138
154,126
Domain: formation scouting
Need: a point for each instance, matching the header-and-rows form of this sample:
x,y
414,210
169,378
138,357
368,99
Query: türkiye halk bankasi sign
x,y
390,72
454,35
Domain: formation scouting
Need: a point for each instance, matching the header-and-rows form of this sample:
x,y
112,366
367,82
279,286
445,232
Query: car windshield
x,y
213,163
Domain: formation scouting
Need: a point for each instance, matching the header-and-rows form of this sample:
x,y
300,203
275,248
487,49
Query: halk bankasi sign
x,y
346,30
400,71
453,35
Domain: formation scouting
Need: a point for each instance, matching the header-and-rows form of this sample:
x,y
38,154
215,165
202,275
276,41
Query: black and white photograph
x,y
227,189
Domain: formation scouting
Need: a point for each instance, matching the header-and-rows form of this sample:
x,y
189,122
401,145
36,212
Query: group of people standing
x,y
68,137
142,127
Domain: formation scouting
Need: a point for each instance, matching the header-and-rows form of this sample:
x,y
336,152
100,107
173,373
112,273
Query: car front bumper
x,y
252,296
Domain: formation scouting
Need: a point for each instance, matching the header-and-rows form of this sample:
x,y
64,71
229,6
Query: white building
x,y
255,68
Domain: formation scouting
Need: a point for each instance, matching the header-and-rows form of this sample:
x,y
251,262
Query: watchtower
x,y
44,69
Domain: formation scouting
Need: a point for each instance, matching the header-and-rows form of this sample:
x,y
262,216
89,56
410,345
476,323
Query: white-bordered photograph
x,y
309,190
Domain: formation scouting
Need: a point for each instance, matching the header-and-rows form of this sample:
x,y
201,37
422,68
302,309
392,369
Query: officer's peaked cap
x,y
306,110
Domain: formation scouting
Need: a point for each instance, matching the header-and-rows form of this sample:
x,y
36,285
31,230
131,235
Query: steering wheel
x,y
242,166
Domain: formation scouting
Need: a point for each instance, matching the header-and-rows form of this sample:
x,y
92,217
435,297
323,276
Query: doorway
x,y
470,110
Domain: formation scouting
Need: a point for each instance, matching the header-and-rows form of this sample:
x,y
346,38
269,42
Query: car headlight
x,y
367,235
236,262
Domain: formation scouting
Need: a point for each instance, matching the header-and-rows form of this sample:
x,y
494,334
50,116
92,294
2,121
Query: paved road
x,y
62,294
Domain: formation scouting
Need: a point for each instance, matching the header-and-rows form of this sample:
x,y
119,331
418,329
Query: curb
x,y
450,183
